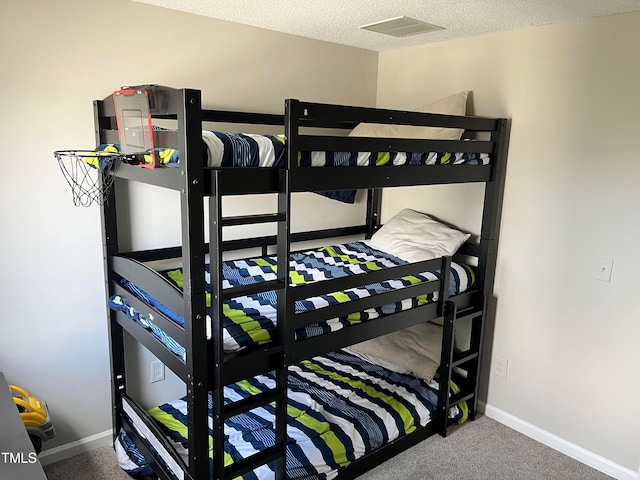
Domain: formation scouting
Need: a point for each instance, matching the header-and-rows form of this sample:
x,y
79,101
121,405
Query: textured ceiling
x,y
337,21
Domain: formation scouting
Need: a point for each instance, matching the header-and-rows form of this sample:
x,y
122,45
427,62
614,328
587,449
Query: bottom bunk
x,y
348,410
343,408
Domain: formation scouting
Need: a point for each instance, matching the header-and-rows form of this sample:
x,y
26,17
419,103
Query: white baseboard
x,y
72,449
563,446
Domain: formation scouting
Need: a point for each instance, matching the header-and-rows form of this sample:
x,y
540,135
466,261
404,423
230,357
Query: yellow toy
x,y
35,417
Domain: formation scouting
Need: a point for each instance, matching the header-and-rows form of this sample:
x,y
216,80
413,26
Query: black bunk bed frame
x,y
207,368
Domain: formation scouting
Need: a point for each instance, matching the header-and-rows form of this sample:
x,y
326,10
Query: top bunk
x,y
168,131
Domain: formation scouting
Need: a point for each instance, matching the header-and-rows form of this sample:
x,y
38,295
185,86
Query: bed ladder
x,y
277,395
459,370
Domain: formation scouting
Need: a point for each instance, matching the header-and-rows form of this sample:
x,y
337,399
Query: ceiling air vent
x,y
401,27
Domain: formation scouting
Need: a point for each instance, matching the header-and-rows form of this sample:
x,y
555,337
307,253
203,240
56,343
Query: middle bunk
x,y
216,322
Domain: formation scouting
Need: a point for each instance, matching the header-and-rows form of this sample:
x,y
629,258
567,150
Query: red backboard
x,y
135,129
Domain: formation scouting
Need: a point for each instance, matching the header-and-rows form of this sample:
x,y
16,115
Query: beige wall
x,y
56,58
571,196
571,193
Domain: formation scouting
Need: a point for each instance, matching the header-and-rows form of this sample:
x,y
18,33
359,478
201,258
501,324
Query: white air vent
x,y
401,27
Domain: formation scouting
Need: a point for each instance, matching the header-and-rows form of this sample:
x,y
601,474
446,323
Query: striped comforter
x,y
340,408
222,149
251,320
249,150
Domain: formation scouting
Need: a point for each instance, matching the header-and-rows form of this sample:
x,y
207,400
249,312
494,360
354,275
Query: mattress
x,y
251,320
340,408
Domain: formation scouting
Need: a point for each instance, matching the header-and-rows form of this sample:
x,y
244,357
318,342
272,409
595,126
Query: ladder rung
x,y
468,313
241,365
459,398
252,402
251,219
245,465
463,357
244,290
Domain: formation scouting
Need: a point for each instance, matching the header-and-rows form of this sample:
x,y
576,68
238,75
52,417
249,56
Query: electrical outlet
x,y
500,366
157,371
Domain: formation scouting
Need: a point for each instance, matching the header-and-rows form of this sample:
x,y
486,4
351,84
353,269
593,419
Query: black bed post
x,y
188,104
494,190
215,256
374,206
109,249
492,209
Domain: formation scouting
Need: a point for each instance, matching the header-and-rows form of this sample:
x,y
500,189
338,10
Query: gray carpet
x,y
480,450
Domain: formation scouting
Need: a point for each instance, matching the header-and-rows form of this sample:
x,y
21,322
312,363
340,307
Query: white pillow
x,y
452,105
413,350
414,237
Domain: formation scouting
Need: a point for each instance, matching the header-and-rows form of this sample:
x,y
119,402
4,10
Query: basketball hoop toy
x,y
89,173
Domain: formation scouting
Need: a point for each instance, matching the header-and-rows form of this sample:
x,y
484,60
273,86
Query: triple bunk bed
x,y
282,394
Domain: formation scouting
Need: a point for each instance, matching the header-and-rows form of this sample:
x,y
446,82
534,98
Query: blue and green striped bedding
x,y
340,408
249,150
224,149
251,320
